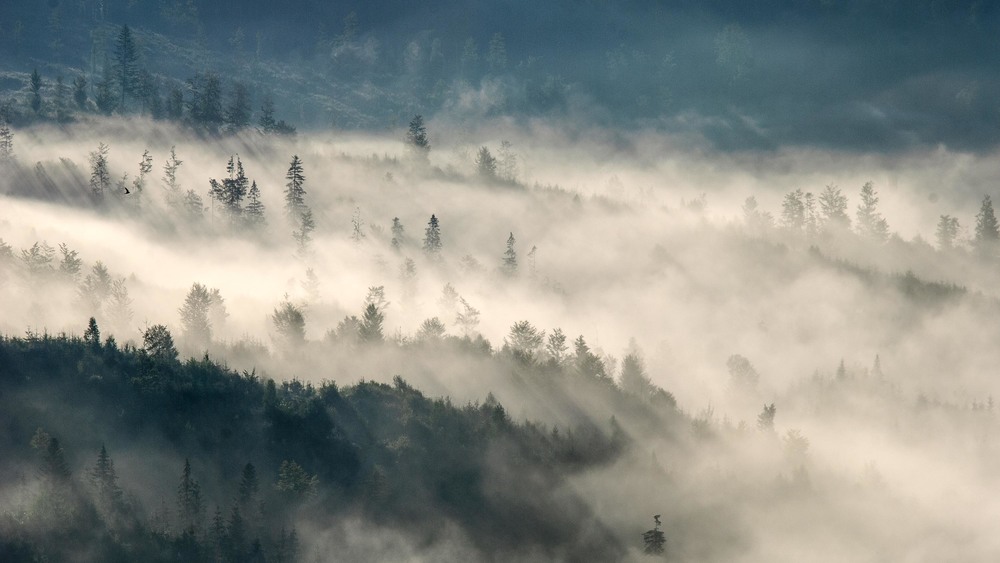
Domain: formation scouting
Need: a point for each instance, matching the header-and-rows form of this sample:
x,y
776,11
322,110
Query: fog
x,y
640,245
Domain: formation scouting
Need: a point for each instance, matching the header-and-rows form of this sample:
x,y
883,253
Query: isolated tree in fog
x,y
303,235
100,176
742,375
509,265
416,138
947,232
92,335
432,238
765,420
870,223
987,228
170,183
654,540
295,202
194,315
398,233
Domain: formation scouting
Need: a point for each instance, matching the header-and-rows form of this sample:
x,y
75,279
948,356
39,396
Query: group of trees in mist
x,y
126,87
252,457
806,213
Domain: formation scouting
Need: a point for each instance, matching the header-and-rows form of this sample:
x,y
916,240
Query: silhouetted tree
x,y
231,191
92,335
370,330
254,213
35,87
159,344
295,204
100,176
416,138
172,187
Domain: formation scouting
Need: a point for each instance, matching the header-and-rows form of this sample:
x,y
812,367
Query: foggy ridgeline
x,y
396,348
391,282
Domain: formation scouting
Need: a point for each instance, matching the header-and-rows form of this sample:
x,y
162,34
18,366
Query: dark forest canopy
x,y
856,75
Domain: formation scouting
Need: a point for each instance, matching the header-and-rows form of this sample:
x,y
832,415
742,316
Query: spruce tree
x,y
947,232
486,164
80,92
295,203
398,233
194,315
126,65
35,85
870,223
416,138
100,176
254,214
653,540
509,265
172,187
987,228
432,238
833,205
6,142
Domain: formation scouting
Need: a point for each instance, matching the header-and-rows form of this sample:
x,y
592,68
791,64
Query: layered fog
x,y
830,389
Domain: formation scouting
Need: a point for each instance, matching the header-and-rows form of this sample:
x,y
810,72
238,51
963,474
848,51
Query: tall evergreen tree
x,y
104,480
486,164
290,324
190,507
370,330
80,92
6,142
870,223
303,235
231,191
254,215
833,205
432,238
987,228
194,315
295,203
171,185
35,86
509,265
100,176
398,233
238,111
416,138
126,65
947,232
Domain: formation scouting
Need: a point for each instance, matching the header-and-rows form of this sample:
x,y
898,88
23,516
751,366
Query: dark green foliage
x,y
35,86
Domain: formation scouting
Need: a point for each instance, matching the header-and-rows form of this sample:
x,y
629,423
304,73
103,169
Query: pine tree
x,y
80,92
295,204
871,224
126,64
653,540
947,232
35,86
254,214
231,191
398,233
92,335
634,380
987,228
139,184
238,112
486,164
833,205
303,235
194,315
370,330
159,344
416,138
70,264
104,480
432,238
173,194
793,211
509,265
357,226
556,346
100,176
6,142
190,508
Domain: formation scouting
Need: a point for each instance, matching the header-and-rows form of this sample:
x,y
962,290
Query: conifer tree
x,y
432,238
6,142
231,191
486,164
295,204
290,324
947,232
416,138
190,507
870,223
987,228
35,86
653,540
104,480
194,315
238,111
398,233
254,214
370,330
126,64
173,195
92,335
509,265
100,176
303,235
80,92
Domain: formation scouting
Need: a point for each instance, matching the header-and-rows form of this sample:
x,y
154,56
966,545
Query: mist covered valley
x,y
495,314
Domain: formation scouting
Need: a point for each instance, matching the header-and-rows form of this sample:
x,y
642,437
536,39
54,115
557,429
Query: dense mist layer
x,y
782,386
